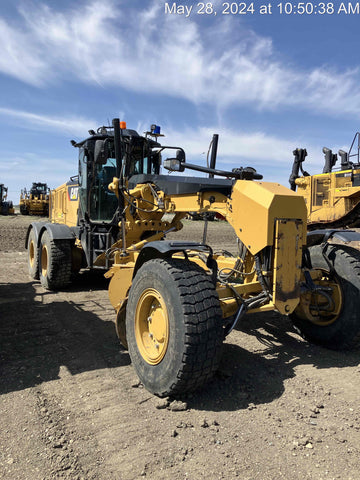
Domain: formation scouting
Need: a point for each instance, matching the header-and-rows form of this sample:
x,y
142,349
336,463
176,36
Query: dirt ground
x,y
71,405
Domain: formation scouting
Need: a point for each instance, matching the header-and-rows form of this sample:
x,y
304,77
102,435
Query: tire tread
x,y
202,321
59,268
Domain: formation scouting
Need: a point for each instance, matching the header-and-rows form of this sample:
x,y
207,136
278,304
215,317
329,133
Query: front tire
x,y
54,262
173,326
338,329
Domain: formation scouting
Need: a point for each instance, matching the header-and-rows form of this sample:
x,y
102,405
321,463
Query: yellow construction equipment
x,y
176,301
6,206
36,201
332,197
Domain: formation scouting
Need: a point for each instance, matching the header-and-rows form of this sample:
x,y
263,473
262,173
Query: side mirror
x,y
176,164
101,152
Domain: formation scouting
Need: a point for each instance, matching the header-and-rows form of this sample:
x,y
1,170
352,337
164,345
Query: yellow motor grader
x,y
176,301
6,207
35,201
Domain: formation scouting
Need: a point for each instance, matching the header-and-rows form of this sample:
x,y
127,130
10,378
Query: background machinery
x,y
36,201
6,207
332,197
176,301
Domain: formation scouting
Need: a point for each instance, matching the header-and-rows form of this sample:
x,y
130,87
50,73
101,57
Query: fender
x,y
316,237
165,249
37,227
56,231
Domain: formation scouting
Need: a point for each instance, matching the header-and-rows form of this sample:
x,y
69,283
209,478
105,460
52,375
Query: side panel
x,y
255,206
287,265
64,203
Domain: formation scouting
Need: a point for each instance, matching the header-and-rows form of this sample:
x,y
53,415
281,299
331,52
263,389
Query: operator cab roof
x,y
126,132
103,133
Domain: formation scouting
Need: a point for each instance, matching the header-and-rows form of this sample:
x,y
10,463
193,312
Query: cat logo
x,y
73,193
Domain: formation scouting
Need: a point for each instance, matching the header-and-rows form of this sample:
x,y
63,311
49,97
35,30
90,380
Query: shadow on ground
x,y
257,377
37,338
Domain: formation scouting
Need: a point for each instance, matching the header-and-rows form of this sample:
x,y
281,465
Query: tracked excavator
x,y
176,301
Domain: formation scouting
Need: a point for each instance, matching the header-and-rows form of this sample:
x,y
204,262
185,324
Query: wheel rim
x,y
152,326
32,254
44,260
312,305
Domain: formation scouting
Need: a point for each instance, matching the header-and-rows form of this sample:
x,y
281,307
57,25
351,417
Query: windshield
x,y
38,189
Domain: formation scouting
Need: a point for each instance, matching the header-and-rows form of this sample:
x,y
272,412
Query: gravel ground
x,y
72,406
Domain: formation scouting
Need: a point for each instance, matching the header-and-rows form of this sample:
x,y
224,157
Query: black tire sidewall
x,y
159,279
33,270
343,333
45,241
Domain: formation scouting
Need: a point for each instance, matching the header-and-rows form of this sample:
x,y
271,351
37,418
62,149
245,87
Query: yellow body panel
x,y
64,205
121,279
287,264
256,206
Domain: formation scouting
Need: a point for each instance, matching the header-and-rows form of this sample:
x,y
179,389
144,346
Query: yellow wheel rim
x,y
152,326
312,306
32,253
44,260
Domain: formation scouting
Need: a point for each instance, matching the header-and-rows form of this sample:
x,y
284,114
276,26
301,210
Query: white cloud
x,y
269,155
233,146
145,50
20,56
76,126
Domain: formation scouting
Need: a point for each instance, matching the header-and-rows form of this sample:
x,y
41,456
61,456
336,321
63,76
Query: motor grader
x,y
176,301
332,197
6,207
35,201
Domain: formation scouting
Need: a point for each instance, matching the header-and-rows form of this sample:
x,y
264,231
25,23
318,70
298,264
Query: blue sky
x,y
265,83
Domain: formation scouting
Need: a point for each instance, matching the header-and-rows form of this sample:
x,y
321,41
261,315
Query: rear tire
x,y
340,331
33,256
54,262
173,326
